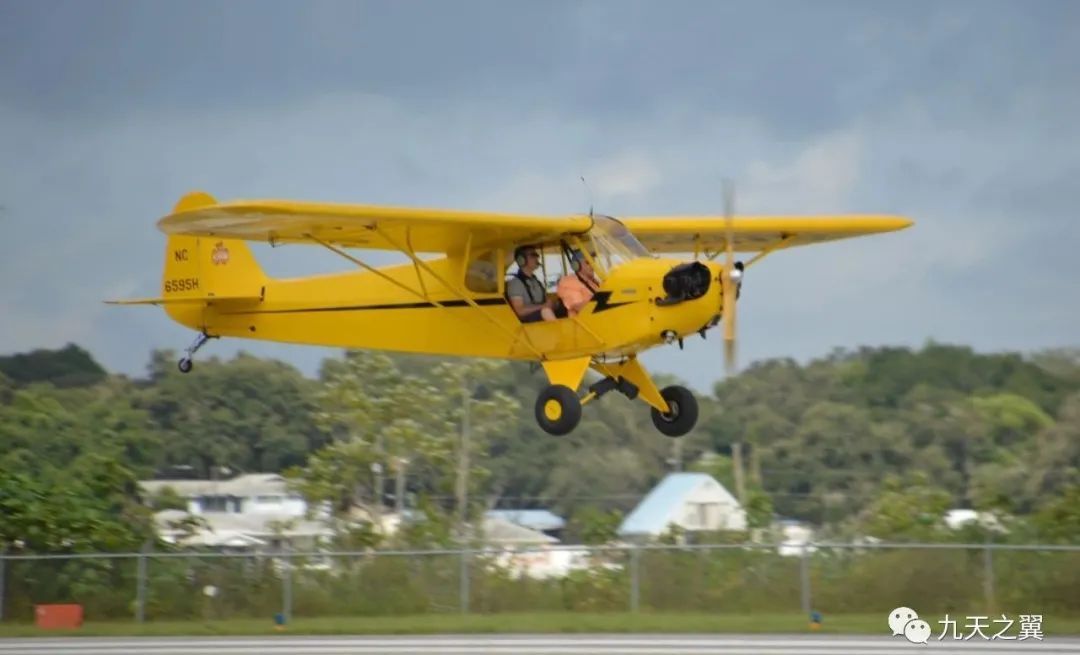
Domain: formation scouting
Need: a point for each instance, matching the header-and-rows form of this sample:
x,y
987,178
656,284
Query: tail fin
x,y
199,268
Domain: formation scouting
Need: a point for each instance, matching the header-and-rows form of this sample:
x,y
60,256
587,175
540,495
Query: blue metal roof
x,y
536,519
653,514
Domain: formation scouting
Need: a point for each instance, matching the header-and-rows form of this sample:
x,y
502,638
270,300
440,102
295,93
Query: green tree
x,y
70,366
246,414
1058,520
428,428
912,509
1054,454
596,526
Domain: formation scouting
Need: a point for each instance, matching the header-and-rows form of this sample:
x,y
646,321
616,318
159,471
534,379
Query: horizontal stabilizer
x,y
180,300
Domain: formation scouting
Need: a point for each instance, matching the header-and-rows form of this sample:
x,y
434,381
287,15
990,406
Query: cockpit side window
x,y
483,272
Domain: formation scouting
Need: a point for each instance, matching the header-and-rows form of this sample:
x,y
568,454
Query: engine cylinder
x,y
686,282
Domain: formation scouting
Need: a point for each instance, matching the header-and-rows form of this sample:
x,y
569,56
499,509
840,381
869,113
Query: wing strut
x,y
374,270
770,248
472,303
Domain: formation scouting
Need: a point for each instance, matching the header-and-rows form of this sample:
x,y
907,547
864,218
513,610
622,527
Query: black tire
x,y
558,409
184,365
684,412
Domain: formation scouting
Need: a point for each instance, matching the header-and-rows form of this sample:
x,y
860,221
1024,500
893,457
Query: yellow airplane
x,y
450,298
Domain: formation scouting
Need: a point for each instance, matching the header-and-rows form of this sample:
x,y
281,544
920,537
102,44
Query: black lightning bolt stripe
x,y
602,304
357,308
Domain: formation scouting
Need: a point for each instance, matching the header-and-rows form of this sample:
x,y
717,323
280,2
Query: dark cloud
x,y
958,114
799,67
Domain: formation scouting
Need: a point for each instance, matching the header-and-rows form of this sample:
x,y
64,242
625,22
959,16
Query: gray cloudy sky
x,y
960,115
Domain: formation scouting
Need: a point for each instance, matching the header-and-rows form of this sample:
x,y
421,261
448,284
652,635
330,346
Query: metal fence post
x,y
286,585
635,578
988,577
3,589
804,574
140,585
463,582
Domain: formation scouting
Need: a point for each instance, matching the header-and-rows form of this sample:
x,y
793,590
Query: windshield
x,y
613,243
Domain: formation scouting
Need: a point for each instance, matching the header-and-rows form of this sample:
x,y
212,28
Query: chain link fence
x,y
728,578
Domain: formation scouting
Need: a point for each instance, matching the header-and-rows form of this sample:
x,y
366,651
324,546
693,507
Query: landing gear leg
x,y
674,409
187,361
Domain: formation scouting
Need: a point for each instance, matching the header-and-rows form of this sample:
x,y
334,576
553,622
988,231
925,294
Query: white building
x,y
255,511
957,518
251,493
794,537
694,502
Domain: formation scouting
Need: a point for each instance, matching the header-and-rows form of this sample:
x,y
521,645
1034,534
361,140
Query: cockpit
x,y
607,245
611,244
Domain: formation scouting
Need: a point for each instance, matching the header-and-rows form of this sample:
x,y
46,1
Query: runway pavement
x,y
524,644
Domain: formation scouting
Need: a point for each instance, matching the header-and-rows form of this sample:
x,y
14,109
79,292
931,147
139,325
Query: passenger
x,y
525,291
576,289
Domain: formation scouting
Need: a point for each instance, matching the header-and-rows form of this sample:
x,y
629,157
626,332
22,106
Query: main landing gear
x,y
558,408
187,361
682,414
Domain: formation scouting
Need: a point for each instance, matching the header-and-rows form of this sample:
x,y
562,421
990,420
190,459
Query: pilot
x,y
525,291
576,288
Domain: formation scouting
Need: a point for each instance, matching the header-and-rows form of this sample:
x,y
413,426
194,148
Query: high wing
x,y
707,234
362,226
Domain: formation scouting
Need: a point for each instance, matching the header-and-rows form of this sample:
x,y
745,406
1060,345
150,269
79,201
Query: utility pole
x,y
755,465
376,504
462,486
399,485
736,460
378,471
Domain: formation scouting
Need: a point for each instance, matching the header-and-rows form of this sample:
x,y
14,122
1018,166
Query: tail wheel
x,y
683,412
558,410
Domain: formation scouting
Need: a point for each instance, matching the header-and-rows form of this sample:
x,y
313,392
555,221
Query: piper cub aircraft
x,y
451,296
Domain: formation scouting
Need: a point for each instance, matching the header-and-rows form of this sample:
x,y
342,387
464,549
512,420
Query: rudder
x,y
206,267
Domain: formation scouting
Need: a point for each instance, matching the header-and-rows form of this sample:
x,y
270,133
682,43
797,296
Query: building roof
x,y
503,532
248,484
956,518
226,528
654,512
535,519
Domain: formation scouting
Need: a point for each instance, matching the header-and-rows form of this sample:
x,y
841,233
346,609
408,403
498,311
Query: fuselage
x,y
431,309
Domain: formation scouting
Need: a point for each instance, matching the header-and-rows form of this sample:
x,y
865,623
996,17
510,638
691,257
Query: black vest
x,y
519,274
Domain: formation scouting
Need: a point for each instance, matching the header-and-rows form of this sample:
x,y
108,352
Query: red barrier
x,y
52,617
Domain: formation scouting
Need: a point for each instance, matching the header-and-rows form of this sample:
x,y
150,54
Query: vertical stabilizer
x,y
206,268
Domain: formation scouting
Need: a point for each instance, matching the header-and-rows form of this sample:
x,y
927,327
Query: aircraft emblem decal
x,y
220,255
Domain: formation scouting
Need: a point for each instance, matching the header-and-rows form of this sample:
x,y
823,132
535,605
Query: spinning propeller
x,y
732,276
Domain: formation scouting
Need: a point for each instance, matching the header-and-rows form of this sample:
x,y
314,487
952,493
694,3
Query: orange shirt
x,y
574,293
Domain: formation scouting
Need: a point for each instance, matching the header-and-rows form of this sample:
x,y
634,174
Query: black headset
x,y
519,255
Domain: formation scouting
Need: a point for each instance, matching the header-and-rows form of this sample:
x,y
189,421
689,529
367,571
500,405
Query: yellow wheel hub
x,y
552,410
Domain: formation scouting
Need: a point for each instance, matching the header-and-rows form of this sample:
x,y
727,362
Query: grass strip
x,y
535,623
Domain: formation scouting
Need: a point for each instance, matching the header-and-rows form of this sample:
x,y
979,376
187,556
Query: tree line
x,y
872,441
